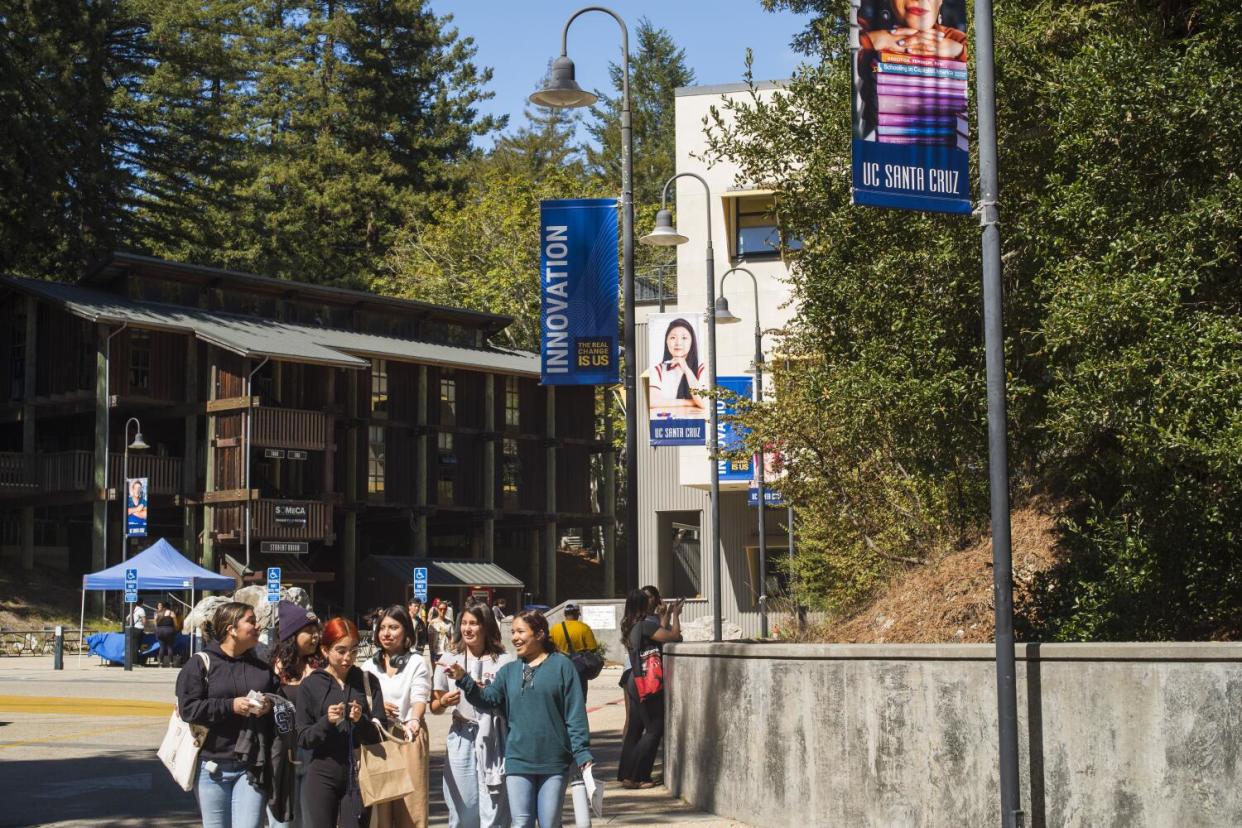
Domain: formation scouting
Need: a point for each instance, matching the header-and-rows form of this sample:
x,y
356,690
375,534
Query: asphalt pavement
x,y
77,748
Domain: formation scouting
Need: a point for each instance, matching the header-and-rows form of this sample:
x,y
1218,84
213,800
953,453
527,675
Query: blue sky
x,y
517,39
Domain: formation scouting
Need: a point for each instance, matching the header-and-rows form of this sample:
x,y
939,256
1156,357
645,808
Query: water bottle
x,y
582,804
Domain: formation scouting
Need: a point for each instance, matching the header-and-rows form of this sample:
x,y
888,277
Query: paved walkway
x,y
77,748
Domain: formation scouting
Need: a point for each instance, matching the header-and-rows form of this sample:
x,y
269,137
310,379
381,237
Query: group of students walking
x,y
282,733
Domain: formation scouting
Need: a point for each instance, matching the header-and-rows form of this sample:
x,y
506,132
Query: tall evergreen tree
x,y
657,68
545,142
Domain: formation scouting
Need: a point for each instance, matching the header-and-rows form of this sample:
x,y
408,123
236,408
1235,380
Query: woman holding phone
x,y
648,623
474,783
336,706
540,696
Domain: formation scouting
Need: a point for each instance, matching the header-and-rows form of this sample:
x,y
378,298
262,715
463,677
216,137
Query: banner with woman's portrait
x,y
677,389
911,129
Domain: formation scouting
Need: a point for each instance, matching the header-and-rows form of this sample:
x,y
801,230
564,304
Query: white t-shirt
x,y
138,618
483,671
409,686
663,382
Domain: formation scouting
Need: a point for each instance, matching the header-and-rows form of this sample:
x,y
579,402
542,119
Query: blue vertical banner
x,y
578,268
910,123
729,435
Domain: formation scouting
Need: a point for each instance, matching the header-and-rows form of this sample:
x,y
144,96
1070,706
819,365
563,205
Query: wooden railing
x,y
290,428
163,473
73,471
17,471
229,521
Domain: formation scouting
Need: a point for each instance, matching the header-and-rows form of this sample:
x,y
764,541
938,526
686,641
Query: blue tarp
x,y
111,646
159,567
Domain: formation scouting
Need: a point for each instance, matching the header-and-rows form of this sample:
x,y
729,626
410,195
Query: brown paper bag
x,y
411,810
382,773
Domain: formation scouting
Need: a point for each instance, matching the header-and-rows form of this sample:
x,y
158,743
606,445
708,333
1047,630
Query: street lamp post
x,y
137,445
562,91
665,235
724,316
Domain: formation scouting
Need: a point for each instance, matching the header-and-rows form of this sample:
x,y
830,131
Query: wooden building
x,y
288,424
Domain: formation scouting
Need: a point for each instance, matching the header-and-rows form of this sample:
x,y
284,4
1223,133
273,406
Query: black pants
x,y
167,636
328,800
133,642
643,734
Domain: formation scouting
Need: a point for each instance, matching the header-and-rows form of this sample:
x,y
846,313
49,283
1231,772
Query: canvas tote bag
x,y
182,743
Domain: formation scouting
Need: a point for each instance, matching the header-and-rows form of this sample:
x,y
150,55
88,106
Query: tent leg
x,y
191,628
81,628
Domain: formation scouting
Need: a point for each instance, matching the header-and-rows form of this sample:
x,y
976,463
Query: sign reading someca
x,y
291,514
578,319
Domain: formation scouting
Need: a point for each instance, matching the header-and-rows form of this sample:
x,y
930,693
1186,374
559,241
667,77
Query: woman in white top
x,y
405,681
474,771
675,384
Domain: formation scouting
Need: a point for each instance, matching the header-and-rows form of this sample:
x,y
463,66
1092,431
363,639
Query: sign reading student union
x,y
578,291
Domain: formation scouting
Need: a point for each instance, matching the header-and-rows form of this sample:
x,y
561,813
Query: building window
x,y
448,398
446,472
513,409
756,235
511,472
17,349
379,386
375,460
140,360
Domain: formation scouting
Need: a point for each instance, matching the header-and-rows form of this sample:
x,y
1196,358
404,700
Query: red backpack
x,y
647,667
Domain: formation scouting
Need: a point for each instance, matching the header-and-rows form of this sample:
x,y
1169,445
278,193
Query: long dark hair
x,y
292,662
637,607
692,358
482,613
538,624
397,613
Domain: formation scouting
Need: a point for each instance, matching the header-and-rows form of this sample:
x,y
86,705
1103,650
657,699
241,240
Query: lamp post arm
x,y
625,46
708,189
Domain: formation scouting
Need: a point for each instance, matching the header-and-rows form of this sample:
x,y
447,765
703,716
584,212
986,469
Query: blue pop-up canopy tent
x,y
160,566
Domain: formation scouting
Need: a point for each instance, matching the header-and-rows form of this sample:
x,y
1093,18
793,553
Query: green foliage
x,y
1121,210
291,139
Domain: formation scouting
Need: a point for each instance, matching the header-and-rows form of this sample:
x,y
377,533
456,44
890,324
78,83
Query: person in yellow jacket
x,y
573,631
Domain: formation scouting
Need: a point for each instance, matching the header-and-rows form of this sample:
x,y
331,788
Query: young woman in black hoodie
x,y
216,696
336,706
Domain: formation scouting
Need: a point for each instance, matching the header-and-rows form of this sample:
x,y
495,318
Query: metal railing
x,y
41,642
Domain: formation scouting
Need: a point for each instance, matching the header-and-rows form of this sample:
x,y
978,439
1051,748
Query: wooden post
x,y
490,447
349,549
189,460
421,461
99,480
29,389
209,524
610,500
550,538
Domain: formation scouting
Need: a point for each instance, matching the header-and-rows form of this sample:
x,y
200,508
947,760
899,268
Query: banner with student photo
x,y
730,435
773,469
578,268
677,391
136,507
910,124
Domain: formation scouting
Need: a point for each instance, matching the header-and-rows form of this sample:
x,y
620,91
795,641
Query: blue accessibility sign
x,y
273,584
420,583
131,586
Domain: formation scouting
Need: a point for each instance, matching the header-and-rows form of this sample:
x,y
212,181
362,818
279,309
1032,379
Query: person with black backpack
x,y
575,638
645,637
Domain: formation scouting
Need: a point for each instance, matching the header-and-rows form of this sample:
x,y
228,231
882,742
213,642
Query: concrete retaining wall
x,y
905,735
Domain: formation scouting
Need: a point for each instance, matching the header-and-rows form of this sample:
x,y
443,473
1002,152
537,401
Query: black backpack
x,y
588,663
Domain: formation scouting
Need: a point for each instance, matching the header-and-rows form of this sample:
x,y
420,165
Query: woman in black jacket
x,y
216,696
336,706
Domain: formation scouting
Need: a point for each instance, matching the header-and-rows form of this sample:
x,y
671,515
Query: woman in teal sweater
x,y
542,700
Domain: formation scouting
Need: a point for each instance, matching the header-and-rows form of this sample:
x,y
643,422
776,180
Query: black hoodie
x,y
207,698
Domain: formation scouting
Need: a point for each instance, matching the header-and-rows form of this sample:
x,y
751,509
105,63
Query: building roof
x,y
446,573
254,337
119,263
728,88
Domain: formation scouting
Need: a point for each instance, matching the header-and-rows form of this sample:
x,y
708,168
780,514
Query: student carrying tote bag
x,y
182,743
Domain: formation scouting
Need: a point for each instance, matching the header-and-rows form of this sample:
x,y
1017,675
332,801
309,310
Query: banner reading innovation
x,y
578,290
729,435
911,132
677,392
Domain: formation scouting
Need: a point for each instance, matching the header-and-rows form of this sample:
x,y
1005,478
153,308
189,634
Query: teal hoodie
x,y
548,727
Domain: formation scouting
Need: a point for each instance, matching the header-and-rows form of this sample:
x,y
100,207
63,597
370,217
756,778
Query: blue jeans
x,y
536,793
471,804
226,798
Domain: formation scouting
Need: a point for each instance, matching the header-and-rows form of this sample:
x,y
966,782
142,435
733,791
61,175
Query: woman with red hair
x,y
337,704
